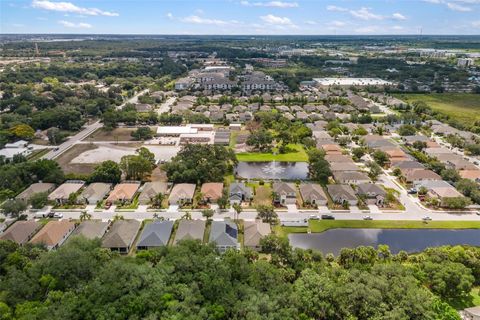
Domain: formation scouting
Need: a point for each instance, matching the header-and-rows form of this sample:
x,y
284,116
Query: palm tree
x,y
117,217
187,216
238,209
85,216
208,214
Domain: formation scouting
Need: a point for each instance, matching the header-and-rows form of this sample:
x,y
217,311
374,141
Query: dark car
x,y
327,217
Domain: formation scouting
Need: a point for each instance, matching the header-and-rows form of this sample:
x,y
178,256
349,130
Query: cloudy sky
x,y
241,17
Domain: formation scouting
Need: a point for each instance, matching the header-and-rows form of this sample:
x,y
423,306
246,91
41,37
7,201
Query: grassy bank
x,y
464,107
317,226
296,154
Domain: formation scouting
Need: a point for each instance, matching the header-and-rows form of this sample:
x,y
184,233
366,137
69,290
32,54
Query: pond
x,y
272,170
410,240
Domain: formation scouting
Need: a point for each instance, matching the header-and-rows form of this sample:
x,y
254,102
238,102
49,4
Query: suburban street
x,y
89,129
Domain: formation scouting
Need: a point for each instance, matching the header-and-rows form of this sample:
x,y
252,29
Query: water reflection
x,y
410,240
272,170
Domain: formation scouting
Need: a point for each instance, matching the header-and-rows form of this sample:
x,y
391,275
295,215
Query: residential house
x,y
312,193
443,193
225,235
343,166
21,231
190,230
150,190
124,192
332,148
472,313
91,229
33,189
63,192
372,193
155,234
338,158
342,193
416,176
253,232
470,174
350,177
54,234
211,191
181,193
239,192
284,193
121,235
94,193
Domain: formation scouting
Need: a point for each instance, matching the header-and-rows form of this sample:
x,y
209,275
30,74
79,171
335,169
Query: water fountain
x,y
273,169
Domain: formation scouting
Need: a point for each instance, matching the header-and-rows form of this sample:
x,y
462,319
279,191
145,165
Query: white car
x,y
367,218
427,218
58,215
314,217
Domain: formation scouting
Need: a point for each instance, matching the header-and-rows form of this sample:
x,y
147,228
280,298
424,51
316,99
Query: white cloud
x,y
80,25
275,20
311,22
337,24
18,25
458,7
70,7
398,28
274,4
476,24
398,16
365,14
170,16
200,20
336,8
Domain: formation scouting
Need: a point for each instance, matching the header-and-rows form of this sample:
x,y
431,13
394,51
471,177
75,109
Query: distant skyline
x,y
235,17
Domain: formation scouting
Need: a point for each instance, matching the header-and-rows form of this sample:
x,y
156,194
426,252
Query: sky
x,y
265,17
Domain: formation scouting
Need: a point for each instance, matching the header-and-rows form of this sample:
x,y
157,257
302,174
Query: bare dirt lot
x,y
65,160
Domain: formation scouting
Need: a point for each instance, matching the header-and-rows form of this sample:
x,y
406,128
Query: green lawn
x,y
37,154
464,107
317,226
297,154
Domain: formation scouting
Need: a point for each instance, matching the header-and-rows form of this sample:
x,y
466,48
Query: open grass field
x,y
464,107
297,154
317,226
117,134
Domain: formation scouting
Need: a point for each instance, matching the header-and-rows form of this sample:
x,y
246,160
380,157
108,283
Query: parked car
x,y
426,218
327,217
412,191
314,217
367,218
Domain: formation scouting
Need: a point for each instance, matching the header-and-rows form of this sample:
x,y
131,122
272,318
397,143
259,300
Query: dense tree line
x,y
197,163
16,175
192,281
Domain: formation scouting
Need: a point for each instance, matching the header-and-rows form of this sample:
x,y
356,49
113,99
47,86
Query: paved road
x,y
86,131
251,215
165,107
133,99
73,140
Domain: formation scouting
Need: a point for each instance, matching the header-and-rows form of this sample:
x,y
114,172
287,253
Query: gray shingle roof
x,y
224,233
155,234
121,234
